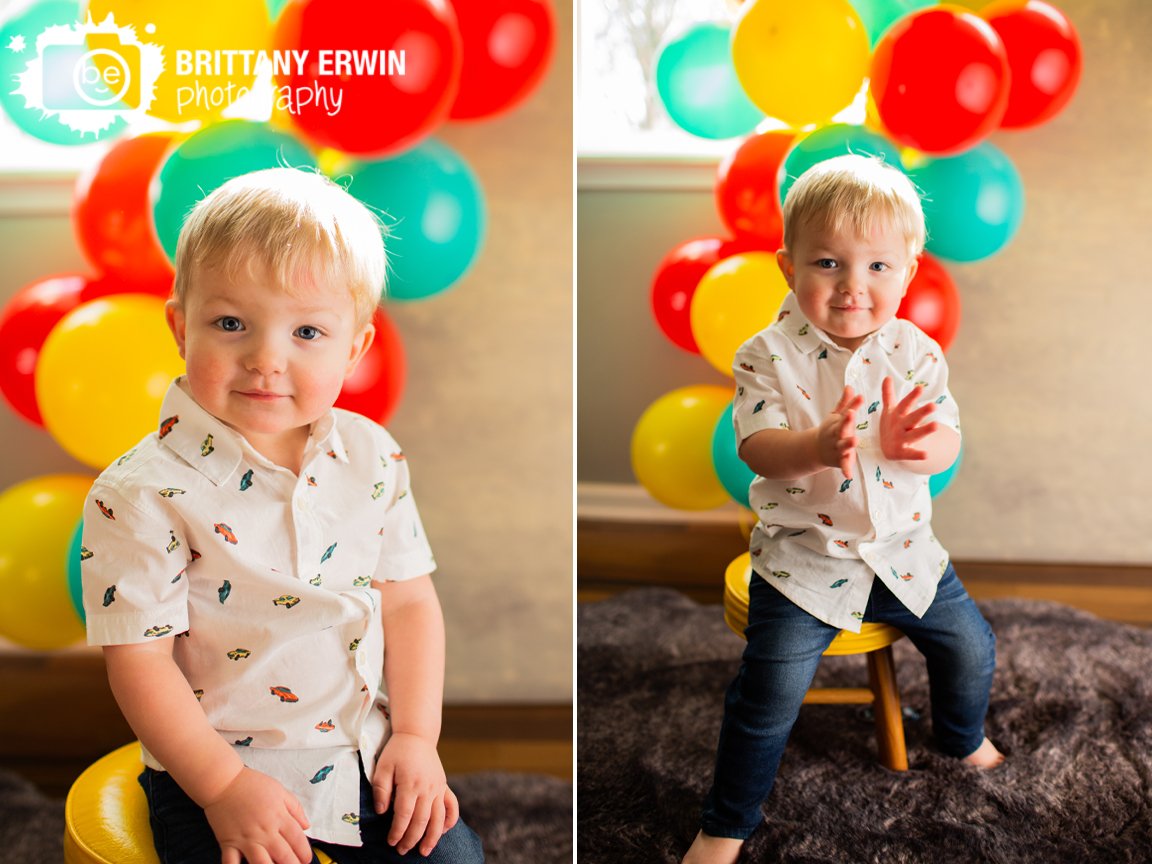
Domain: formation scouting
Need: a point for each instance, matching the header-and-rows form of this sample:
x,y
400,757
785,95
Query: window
x,y
619,110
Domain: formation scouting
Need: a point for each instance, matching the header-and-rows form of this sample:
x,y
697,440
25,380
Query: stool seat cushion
x,y
106,814
737,576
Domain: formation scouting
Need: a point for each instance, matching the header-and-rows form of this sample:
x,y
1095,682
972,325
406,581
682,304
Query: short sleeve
x,y
404,551
931,372
132,567
759,402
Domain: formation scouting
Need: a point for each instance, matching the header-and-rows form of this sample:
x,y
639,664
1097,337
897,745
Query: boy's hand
x,y
902,425
257,819
410,778
836,437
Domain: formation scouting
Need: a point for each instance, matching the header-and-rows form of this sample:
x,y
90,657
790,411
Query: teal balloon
x,y
973,203
434,207
837,139
75,587
734,475
879,15
937,483
274,8
18,37
205,161
697,83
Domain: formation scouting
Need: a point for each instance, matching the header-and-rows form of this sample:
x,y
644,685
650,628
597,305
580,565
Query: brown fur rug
x,y
522,819
1071,707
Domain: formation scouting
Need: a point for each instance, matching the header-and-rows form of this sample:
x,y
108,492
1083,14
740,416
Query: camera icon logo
x,y
91,75
104,73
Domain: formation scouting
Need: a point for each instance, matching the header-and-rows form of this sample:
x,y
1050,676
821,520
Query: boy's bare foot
x,y
706,849
985,756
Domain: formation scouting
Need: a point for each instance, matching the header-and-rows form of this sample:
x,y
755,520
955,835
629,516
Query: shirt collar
x,y
215,449
807,337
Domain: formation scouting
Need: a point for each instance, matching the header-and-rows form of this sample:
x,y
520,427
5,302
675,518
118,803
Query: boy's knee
x,y
458,846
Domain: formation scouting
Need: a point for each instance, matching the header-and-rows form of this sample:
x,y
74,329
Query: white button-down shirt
x,y
821,540
263,579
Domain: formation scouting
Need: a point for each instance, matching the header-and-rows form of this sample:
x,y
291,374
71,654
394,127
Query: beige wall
x,y
486,418
1051,362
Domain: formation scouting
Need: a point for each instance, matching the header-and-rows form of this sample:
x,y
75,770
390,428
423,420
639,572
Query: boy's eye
x,y
825,263
878,266
229,324
308,333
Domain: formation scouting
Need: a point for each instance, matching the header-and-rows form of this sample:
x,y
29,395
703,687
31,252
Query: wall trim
x,y
37,193
619,173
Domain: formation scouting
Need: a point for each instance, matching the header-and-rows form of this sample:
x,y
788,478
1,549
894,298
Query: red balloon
x,y
374,388
932,302
113,216
506,47
747,191
379,114
25,323
678,275
1044,56
940,80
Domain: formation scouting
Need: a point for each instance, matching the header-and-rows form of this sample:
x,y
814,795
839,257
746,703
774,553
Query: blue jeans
x,y
182,835
784,648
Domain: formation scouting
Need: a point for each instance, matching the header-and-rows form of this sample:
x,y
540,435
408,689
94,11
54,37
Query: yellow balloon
x,y
102,375
37,520
187,91
800,62
734,300
672,447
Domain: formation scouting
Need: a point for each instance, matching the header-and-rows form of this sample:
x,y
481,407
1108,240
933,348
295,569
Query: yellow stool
x,y
873,640
106,814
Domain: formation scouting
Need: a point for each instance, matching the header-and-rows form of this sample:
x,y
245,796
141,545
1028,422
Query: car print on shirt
x,y
170,491
243,742
85,553
354,644
325,725
173,543
321,775
126,456
803,331
747,367
361,581
195,555
823,355
105,511
160,630
759,406
168,424
825,518
398,456
843,544
795,490
838,583
226,532
328,553
206,446
378,490
803,392
246,480
845,485
239,653
311,480
286,600
284,693
315,580
224,590
110,596
178,576
199,694
872,408
781,574
351,818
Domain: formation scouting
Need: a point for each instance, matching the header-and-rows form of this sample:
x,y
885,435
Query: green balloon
x,y
734,475
75,586
435,210
879,15
973,203
18,37
697,84
837,139
210,158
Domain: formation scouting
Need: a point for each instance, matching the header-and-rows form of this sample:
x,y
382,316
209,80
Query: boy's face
x,y
846,284
266,362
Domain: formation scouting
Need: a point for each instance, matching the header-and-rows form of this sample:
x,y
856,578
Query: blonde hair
x,y
297,224
857,191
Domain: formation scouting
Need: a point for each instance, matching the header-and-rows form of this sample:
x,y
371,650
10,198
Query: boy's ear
x,y
912,268
784,262
174,315
361,342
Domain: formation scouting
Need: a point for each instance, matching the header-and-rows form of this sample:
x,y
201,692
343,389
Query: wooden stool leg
x,y
889,720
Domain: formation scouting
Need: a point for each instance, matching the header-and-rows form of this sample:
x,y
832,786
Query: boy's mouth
x,y
263,395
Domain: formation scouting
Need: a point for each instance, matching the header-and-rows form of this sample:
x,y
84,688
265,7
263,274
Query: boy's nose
x,y
266,357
